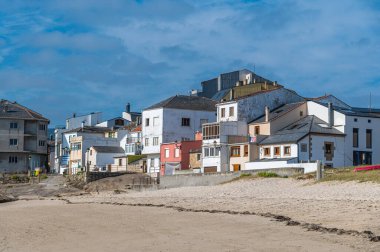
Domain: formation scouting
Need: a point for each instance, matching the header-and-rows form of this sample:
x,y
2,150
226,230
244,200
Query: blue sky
x,y
60,57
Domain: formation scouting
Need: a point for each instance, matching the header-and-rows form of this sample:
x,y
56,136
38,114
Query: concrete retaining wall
x,y
217,178
93,176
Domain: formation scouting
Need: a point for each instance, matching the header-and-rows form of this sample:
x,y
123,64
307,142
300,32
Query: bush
x,y
245,175
15,177
267,174
44,176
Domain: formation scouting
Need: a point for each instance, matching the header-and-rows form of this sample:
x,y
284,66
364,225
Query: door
x,y
236,167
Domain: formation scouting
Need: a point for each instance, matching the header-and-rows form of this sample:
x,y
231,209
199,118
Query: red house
x,y
176,156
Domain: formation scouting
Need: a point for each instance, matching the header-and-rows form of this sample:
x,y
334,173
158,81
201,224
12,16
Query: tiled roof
x,y
298,130
187,103
90,129
108,149
14,110
278,112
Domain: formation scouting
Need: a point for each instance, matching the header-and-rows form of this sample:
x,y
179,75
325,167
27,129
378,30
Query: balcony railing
x,y
210,131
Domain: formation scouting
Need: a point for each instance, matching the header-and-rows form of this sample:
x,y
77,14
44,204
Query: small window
x,y
185,121
369,138
198,157
223,112
206,152
146,141
287,150
13,159
232,111
167,153
120,162
13,125
155,141
303,147
42,127
90,152
176,152
235,151
245,150
355,119
277,151
41,143
13,141
257,130
146,122
183,139
301,113
267,151
369,121
328,148
355,137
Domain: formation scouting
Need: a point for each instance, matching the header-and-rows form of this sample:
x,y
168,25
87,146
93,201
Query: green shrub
x,y
267,174
15,177
245,175
44,176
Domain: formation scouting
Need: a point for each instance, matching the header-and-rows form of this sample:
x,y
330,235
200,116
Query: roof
x,y
298,130
108,149
14,110
90,129
278,112
186,102
355,111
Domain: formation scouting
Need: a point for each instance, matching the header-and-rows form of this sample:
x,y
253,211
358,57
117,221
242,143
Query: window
x,y
76,146
198,157
267,151
206,152
223,112
155,141
303,147
155,121
287,150
119,122
355,137
90,152
185,139
13,141
13,125
176,152
277,151
369,121
301,113
368,138
146,141
13,159
235,151
257,130
120,162
210,131
231,111
355,119
328,148
185,121
111,134
42,127
167,153
41,143
146,122
245,150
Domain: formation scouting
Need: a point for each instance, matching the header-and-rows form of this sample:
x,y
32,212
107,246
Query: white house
x,y
99,157
177,118
232,120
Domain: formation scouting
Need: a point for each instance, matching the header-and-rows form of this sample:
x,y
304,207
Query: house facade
x,y
23,138
101,158
177,118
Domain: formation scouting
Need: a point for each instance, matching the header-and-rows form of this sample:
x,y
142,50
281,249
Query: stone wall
x,y
93,176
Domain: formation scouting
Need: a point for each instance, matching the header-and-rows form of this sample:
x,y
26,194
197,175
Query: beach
x,y
248,215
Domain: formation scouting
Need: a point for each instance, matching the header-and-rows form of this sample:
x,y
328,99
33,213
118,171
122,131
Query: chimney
x,y
232,94
275,83
83,124
74,115
266,114
330,119
128,108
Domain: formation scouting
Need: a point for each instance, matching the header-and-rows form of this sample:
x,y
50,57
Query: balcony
x,y
210,131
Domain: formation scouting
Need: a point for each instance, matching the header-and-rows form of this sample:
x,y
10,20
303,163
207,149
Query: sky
x,y
60,57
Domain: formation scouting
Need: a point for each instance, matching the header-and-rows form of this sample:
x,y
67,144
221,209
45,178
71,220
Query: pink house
x,y
176,156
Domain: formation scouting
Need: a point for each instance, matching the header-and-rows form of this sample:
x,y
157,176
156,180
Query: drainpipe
x,y
330,115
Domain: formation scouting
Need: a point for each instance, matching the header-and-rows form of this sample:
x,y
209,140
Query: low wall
x,y
93,176
210,179
308,167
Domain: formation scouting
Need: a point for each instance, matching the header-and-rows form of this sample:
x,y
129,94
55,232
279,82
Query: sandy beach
x,y
237,216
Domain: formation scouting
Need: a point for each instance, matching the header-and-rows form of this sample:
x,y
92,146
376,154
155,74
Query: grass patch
x,y
348,174
245,175
134,158
267,175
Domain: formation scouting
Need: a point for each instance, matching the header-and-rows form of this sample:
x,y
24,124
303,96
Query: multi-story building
x,y
177,118
227,137
23,138
132,143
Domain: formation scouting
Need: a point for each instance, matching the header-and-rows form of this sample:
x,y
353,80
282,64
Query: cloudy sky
x,y
60,57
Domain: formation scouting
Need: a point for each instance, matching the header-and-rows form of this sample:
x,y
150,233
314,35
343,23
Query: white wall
x,y
152,131
293,151
227,116
308,167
